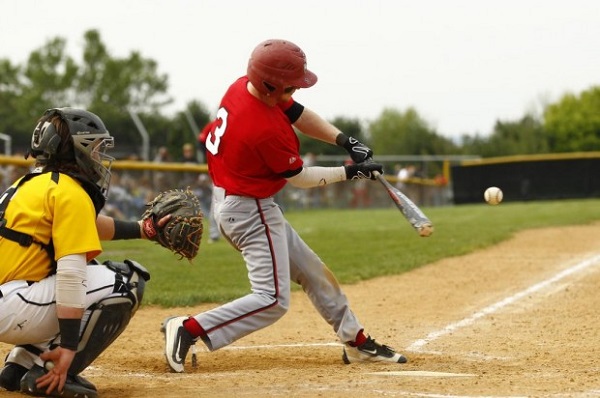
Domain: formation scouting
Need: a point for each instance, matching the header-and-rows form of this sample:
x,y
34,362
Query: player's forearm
x,y
111,229
316,176
314,126
64,312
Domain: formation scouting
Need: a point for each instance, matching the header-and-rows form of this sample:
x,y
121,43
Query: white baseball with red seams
x,y
493,195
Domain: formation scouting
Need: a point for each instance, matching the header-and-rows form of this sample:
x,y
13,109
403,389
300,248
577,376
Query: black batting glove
x,y
363,171
358,151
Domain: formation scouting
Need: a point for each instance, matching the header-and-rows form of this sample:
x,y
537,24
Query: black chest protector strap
x,y
21,238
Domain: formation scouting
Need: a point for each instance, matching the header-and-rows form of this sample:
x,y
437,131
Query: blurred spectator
x,y
162,155
404,175
188,155
203,190
141,193
161,178
119,200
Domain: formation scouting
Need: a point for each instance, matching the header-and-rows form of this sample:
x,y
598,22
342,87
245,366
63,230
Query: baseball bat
x,y
416,218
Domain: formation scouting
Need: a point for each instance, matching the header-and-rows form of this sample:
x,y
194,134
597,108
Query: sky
x,y
462,64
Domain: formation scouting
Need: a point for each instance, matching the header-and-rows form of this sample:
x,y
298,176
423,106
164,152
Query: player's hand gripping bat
x,y
409,210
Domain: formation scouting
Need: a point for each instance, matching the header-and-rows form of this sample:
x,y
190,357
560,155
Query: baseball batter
x,y
58,306
253,152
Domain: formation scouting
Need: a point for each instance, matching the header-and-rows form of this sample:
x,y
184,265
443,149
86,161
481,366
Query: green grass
x,y
355,244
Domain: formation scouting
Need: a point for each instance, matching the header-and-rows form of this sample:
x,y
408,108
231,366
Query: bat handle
x,y
379,176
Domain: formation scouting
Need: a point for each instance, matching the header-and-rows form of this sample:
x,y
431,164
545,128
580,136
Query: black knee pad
x,y
137,276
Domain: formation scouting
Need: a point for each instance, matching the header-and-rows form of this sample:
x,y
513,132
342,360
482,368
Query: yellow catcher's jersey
x,y
47,210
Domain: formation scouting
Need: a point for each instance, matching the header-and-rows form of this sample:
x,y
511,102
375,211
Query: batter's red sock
x,y
194,328
360,339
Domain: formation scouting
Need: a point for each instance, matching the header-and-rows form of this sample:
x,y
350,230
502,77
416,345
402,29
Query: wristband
x,y
149,228
126,230
69,333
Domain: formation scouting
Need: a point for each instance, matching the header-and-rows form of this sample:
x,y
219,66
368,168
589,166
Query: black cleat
x,y
10,376
371,351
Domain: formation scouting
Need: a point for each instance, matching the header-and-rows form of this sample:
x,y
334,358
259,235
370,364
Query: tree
x,y
103,84
398,133
49,76
350,127
28,90
10,90
174,132
525,136
573,123
124,83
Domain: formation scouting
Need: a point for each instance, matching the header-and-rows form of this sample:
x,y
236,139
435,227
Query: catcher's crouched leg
x,y
101,325
109,317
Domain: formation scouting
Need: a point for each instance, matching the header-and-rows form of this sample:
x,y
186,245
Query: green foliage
x,y
406,133
11,115
112,86
573,123
355,244
350,127
525,136
107,85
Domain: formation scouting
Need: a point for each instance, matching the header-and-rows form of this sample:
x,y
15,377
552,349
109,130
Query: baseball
x,y
493,195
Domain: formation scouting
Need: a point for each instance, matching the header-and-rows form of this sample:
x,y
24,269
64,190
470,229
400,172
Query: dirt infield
x,y
516,320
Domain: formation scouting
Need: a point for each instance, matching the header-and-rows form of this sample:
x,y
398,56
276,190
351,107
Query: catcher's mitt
x,y
182,233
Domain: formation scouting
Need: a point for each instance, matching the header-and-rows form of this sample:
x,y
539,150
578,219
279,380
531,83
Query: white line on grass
x,y
418,344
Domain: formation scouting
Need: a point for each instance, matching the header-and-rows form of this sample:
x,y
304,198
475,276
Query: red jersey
x,y
250,144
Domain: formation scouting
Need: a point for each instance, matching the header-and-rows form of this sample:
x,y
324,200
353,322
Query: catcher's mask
x,y
277,65
89,140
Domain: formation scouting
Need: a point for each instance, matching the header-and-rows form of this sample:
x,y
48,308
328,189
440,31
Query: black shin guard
x,y
109,317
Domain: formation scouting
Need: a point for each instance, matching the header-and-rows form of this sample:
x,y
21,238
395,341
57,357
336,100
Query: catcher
x,y
59,307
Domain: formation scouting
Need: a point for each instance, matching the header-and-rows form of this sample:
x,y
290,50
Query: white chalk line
x,y
418,344
420,373
295,345
422,394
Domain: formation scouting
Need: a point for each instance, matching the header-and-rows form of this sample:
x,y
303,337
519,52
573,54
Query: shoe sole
x,y
346,359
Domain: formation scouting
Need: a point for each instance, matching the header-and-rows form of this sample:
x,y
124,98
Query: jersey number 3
x,y
214,137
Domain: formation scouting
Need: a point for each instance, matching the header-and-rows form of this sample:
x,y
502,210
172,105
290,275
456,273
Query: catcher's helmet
x,y
89,141
278,64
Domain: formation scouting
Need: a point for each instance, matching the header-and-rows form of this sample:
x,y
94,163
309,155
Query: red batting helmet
x,y
277,64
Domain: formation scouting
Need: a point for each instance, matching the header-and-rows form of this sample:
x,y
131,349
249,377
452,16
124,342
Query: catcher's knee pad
x,y
136,276
109,317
